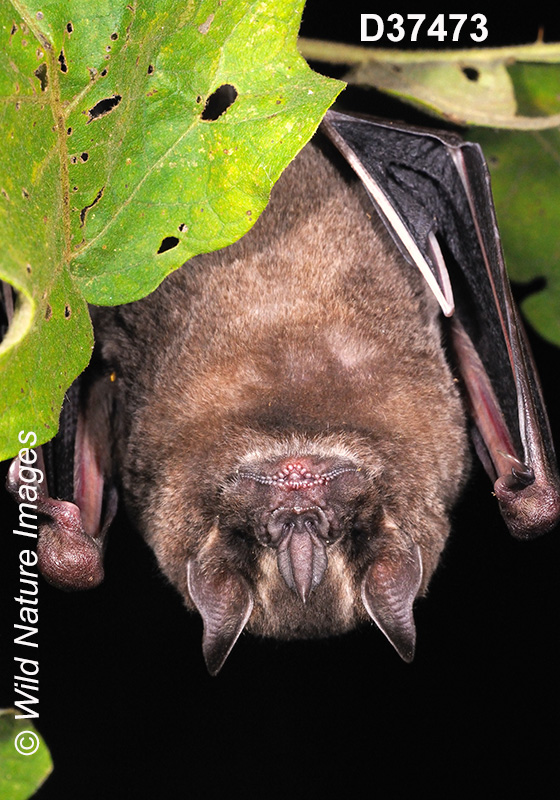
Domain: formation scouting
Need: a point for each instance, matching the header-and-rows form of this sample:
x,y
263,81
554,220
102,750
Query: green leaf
x,y
474,87
536,87
114,174
525,169
21,775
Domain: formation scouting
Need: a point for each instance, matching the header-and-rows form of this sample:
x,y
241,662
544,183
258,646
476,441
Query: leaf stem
x,y
339,53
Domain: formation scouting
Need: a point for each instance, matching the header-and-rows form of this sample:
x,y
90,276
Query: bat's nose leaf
x,y
299,535
389,589
302,563
225,603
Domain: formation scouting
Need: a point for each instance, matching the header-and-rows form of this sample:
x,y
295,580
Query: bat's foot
x,y
69,557
529,510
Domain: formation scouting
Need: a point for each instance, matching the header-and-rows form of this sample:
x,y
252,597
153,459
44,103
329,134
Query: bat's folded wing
x,y
432,190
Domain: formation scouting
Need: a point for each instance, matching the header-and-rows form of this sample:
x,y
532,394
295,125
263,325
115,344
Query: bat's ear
x,y
389,589
224,602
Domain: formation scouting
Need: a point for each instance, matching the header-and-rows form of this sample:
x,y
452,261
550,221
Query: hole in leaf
x,y
25,194
104,107
150,69
168,244
69,131
41,74
219,102
183,227
114,36
471,74
523,290
8,296
104,72
85,209
205,27
84,157
67,311
69,27
62,62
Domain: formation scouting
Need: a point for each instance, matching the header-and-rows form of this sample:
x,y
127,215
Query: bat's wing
x,y
433,192
76,501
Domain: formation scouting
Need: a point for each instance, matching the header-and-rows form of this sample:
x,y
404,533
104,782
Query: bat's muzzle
x,y
299,534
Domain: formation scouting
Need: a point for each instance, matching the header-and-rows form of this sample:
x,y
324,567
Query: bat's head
x,y
294,436
300,546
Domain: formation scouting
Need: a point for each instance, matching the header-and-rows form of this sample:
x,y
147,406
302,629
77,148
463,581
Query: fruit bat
x,y
287,419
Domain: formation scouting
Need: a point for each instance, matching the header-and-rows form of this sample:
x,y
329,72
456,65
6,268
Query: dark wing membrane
x,y
433,192
58,453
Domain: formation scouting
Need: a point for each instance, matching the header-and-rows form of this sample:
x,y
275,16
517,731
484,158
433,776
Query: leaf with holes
x,y
466,87
136,135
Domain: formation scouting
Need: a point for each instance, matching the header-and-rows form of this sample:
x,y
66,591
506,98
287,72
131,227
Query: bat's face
x,y
290,436
297,536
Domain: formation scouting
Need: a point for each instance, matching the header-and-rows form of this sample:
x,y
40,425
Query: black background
x,y
128,709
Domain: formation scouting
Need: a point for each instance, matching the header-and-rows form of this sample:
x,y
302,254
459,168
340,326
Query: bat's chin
x,y
331,607
265,603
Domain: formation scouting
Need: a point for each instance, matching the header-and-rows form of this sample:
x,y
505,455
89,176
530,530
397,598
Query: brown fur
x,y
309,338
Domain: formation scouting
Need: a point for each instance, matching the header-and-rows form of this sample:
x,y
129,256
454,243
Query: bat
x,y
287,420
